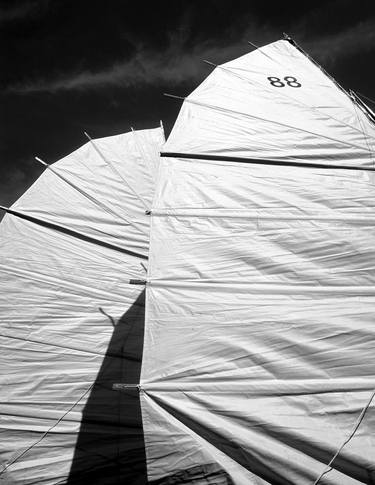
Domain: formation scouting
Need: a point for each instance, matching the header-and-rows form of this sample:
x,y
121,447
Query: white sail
x,y
256,263
258,355
69,248
273,104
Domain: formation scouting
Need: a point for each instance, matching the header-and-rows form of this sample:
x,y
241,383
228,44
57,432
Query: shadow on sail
x,y
110,447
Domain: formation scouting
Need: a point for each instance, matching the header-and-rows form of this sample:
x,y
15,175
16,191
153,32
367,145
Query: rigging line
x,y
296,46
354,430
247,115
283,93
220,158
366,97
71,232
114,169
230,71
82,192
299,48
363,106
365,134
348,94
47,431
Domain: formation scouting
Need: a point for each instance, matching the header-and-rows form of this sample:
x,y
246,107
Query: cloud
x,y
178,64
329,49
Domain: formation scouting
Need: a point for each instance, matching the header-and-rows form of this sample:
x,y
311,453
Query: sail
x,y
69,248
258,354
273,104
206,316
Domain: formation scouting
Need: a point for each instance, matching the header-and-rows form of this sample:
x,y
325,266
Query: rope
x,y
357,424
363,127
366,97
46,432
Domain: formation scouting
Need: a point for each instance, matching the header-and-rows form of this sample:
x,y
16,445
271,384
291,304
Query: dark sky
x,y
102,66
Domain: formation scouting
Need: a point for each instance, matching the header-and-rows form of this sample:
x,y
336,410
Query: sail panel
x,y
259,324
273,104
69,315
276,225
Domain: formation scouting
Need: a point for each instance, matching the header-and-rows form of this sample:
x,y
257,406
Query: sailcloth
x,y
259,284
69,248
259,335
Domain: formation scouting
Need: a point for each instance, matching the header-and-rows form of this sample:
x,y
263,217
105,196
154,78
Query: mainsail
x,y
258,360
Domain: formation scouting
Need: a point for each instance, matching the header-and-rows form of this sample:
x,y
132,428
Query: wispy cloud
x,y
178,64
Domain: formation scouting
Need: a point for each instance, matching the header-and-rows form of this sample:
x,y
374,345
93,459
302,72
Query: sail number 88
x,y
289,81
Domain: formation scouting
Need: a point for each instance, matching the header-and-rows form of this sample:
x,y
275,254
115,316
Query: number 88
x,y
290,81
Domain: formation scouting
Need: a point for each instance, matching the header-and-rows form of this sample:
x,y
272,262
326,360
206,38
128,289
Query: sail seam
x,y
254,215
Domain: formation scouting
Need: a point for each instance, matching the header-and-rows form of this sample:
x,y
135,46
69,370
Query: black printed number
x,y
292,82
289,80
275,81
